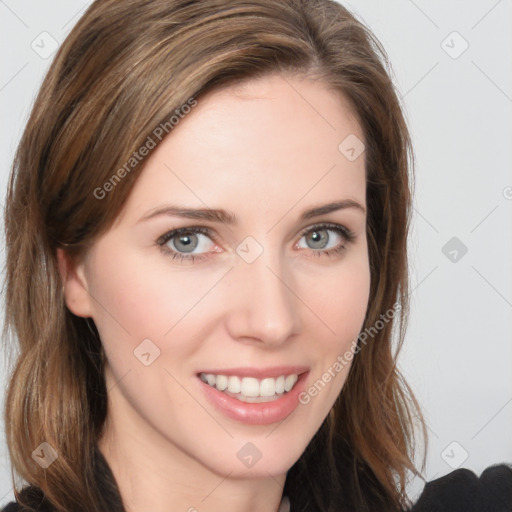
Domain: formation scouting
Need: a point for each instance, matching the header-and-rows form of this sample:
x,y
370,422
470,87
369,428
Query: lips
x,y
258,410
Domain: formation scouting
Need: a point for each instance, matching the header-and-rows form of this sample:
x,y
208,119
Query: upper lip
x,y
259,373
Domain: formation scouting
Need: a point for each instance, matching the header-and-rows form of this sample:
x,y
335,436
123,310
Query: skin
x,y
267,151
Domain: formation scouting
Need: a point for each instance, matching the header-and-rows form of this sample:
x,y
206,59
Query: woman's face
x,y
256,289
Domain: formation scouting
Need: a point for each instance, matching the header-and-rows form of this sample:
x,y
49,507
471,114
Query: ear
x,y
78,299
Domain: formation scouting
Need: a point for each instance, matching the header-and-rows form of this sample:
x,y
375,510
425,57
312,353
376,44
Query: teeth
x,y
290,382
221,382
280,384
267,387
233,384
249,387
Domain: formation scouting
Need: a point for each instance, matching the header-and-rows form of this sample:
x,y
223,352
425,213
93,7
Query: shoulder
x,y
462,490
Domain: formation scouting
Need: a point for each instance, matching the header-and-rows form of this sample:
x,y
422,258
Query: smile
x,y
250,389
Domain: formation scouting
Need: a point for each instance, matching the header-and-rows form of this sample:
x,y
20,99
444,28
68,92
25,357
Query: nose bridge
x,y
267,308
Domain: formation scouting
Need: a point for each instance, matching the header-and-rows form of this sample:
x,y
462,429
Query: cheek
x,y
339,296
136,298
339,299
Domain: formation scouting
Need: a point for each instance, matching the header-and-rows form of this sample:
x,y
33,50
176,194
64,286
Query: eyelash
x,y
344,232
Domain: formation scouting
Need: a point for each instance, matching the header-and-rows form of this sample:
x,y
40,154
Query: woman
x,y
206,231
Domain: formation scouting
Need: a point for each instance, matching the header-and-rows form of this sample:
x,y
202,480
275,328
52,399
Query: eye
x,y
181,243
192,243
326,238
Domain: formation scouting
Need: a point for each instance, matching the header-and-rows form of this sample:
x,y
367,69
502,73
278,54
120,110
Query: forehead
x,y
272,140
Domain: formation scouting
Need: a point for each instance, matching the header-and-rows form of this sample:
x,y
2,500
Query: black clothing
x,y
459,491
462,491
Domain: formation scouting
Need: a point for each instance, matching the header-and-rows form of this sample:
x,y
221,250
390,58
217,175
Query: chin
x,y
258,457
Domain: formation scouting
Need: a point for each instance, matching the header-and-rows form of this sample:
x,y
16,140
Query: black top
x,y
459,491
462,491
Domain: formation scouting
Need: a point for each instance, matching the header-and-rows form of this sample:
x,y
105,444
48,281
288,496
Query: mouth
x,y
254,397
251,389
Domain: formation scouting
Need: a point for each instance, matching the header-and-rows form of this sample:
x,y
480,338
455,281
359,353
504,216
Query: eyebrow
x,y
226,217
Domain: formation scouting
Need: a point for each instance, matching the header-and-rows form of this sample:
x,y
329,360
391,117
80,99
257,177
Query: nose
x,y
263,305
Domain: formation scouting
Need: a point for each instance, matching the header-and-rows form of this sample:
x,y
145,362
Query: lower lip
x,y
263,413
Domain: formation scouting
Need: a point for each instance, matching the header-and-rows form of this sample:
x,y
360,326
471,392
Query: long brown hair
x,y
125,68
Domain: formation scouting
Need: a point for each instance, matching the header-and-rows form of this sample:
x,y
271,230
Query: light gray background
x,y
458,352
